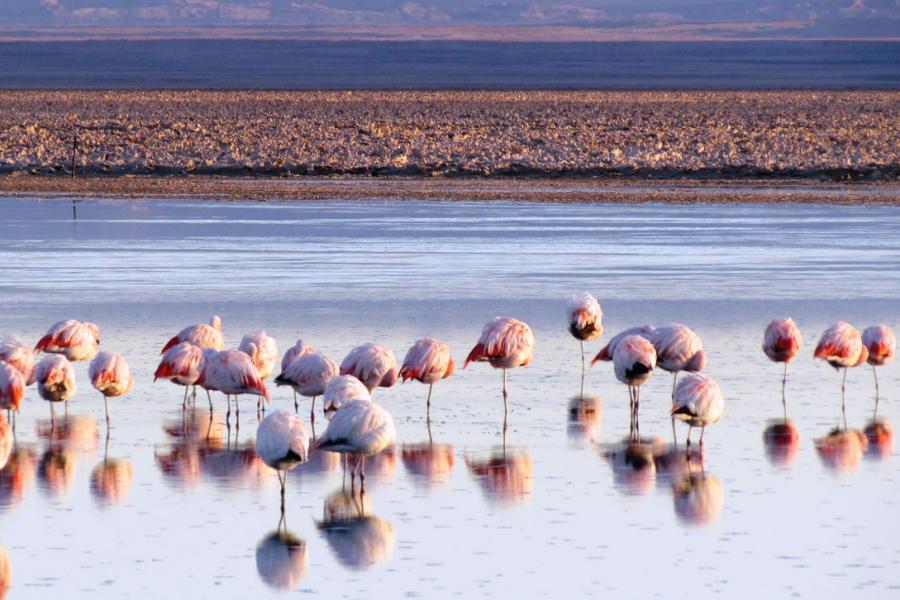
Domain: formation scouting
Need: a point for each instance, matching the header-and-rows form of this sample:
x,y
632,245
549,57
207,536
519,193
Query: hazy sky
x,y
822,18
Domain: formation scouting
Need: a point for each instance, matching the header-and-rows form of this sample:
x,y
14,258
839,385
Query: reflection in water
x,y
880,436
78,433
505,475
842,449
56,470
673,463
585,414
698,498
281,559
634,464
358,539
17,475
111,479
6,441
318,463
428,463
782,442
382,465
5,572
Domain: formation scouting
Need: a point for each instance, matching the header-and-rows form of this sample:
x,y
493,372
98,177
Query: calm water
x,y
252,64
186,509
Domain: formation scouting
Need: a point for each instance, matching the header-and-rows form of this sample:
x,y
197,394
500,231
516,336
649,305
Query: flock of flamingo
x,y
357,427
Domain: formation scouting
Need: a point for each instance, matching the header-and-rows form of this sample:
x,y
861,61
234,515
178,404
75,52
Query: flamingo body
x,y
634,360
585,317
20,356
231,372
678,348
262,350
506,343
342,390
202,335
427,361
880,343
110,374
782,340
698,400
841,346
12,387
606,353
55,378
73,339
309,374
294,352
360,428
282,441
180,364
373,364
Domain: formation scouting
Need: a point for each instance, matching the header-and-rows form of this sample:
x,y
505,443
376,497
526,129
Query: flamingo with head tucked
x,y
300,348
341,390
181,365
75,340
841,346
373,364
55,380
111,376
282,443
698,402
202,335
12,388
427,361
881,344
606,353
781,343
308,376
19,355
633,361
678,348
585,319
262,350
232,373
505,343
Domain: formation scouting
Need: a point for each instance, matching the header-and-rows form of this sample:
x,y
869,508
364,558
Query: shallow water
x,y
184,507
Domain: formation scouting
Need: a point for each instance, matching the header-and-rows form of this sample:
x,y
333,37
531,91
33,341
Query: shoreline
x,y
533,189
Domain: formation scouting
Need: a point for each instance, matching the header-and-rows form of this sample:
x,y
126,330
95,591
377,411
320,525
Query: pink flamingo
x,y
202,335
12,388
282,443
55,381
585,319
181,365
74,339
308,376
362,429
232,373
781,343
506,343
881,344
606,353
633,362
427,361
111,376
262,350
678,348
341,390
842,347
698,402
19,355
294,352
373,364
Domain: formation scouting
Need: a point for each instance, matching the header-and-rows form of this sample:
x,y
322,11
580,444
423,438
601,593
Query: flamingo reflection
x,y
111,479
505,475
842,449
634,464
698,498
6,441
880,436
56,470
5,572
17,475
282,559
428,463
782,442
192,432
358,539
584,417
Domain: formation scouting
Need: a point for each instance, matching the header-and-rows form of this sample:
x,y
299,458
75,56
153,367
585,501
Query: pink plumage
x,y
782,340
294,352
841,346
231,372
73,339
309,374
202,335
678,348
634,360
606,353
262,350
506,343
110,374
881,344
585,317
427,361
180,364
55,378
373,364
19,355
12,387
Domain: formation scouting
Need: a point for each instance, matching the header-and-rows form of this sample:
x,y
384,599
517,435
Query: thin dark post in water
x,y
74,148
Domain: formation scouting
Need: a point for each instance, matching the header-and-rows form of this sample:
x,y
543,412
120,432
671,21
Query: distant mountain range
x,y
545,20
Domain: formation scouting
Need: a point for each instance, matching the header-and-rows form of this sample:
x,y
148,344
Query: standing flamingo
x,y
881,344
698,402
842,347
678,348
56,380
262,350
181,365
428,361
373,364
202,335
360,428
633,362
606,353
19,355
110,376
232,373
781,343
308,376
12,388
294,352
585,319
74,339
282,443
505,343
341,390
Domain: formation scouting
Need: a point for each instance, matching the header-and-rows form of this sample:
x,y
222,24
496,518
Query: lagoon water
x,y
176,503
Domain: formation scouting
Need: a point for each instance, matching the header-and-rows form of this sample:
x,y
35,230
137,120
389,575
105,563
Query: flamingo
x,y
110,376
360,428
19,355
6,441
506,343
678,348
299,349
74,339
585,319
633,361
881,344
341,390
698,402
842,347
12,388
232,373
373,364
308,376
202,335
606,353
428,361
56,380
181,365
262,350
282,442
781,343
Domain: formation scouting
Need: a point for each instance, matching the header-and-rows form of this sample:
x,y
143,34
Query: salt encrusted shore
x,y
642,135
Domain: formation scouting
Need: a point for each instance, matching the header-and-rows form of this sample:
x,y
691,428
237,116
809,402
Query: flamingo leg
x,y
106,406
228,400
843,390
875,373
428,403
674,381
637,411
582,357
690,429
52,417
505,393
282,479
184,400
362,474
702,431
296,404
312,412
208,397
